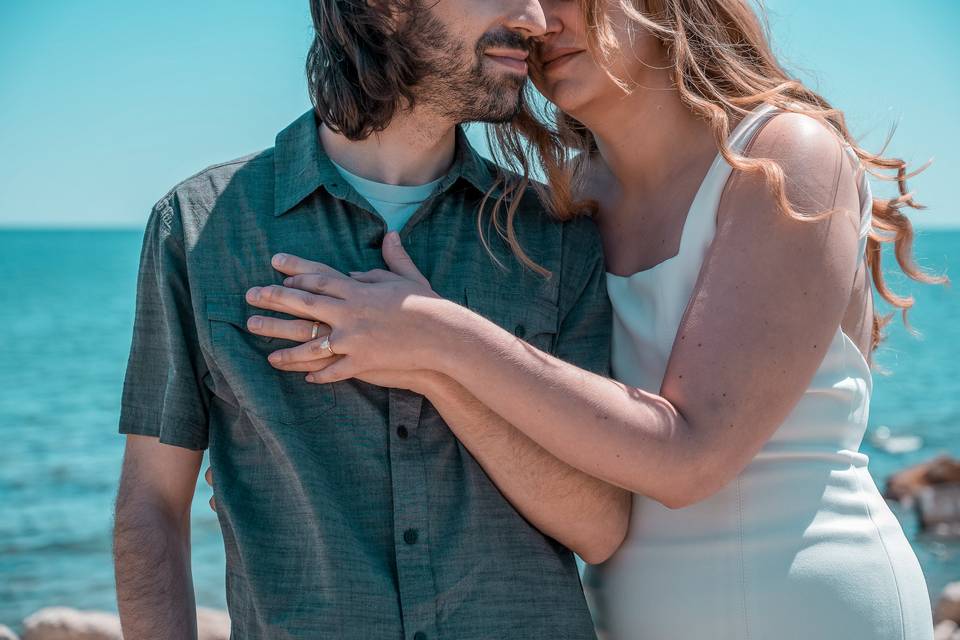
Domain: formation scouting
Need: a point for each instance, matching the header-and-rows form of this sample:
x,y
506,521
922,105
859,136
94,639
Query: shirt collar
x,y
301,166
471,166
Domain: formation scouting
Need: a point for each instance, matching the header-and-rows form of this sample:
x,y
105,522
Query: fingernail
x,y
274,357
255,322
279,258
253,293
393,237
287,281
311,378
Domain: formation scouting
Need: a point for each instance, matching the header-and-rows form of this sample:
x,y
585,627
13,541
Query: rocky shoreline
x,y
946,614
932,489
63,623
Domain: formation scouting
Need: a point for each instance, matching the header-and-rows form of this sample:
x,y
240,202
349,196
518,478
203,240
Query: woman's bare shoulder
x,y
818,175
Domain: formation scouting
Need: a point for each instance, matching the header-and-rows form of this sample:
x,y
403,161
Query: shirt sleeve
x,y
163,391
586,318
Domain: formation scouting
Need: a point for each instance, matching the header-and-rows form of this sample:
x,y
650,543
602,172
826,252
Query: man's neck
x,y
412,150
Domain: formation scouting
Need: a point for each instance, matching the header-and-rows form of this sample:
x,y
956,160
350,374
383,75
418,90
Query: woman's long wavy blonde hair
x,y
723,67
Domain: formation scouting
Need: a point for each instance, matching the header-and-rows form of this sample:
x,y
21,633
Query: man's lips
x,y
512,58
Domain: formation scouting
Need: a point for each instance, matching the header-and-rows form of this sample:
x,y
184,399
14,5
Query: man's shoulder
x,y
253,169
198,195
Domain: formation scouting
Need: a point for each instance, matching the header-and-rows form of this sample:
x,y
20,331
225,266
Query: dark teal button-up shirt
x,y
350,510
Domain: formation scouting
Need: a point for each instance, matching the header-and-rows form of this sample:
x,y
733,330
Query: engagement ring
x,y
326,345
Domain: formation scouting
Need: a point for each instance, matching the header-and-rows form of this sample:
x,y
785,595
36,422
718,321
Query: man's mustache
x,y
503,39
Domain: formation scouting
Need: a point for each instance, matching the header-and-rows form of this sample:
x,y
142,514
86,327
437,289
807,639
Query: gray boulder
x,y
946,630
907,483
939,509
6,633
948,607
63,623
212,624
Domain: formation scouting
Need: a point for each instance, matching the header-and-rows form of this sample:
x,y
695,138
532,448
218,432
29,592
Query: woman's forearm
x,y
582,512
622,435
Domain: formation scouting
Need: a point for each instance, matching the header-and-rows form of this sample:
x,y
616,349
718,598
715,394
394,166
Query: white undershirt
x,y
394,203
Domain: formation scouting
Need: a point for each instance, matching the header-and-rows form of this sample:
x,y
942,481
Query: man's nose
x,y
527,18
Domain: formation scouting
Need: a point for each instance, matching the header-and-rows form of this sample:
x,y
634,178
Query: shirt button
x,y
410,536
402,432
520,331
419,635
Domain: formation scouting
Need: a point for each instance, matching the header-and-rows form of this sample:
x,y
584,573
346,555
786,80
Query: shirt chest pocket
x,y
528,316
241,356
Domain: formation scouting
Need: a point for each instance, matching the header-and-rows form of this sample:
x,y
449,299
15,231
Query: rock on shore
x,y
939,510
64,623
948,607
933,488
946,630
906,484
946,614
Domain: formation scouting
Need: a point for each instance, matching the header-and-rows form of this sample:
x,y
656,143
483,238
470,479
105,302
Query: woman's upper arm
x,y
769,298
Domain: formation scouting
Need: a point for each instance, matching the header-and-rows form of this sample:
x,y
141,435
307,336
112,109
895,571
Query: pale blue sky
x,y
105,104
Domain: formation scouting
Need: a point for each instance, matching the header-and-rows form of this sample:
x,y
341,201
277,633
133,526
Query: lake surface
x,y
67,315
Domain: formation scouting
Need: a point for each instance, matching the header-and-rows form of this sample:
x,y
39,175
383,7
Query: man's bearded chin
x,y
494,100
460,85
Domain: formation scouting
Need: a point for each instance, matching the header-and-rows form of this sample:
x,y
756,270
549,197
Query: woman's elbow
x,y
686,494
679,501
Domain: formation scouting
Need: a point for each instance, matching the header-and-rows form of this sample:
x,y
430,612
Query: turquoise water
x,y
67,312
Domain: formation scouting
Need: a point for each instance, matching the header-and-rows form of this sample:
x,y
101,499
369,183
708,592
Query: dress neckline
x,y
683,232
746,122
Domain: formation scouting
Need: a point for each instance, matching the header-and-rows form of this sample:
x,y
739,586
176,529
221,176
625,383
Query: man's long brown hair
x,y
723,67
360,67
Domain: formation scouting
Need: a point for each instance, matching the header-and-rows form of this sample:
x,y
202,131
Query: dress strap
x,y
700,225
740,139
701,222
750,125
866,202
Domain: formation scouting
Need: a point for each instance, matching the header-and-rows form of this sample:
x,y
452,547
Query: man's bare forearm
x,y
151,540
152,563
584,513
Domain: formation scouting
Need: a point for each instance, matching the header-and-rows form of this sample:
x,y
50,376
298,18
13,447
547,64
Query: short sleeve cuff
x,y
169,429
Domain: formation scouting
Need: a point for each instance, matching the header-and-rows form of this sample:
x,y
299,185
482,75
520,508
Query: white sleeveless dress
x,y
800,544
